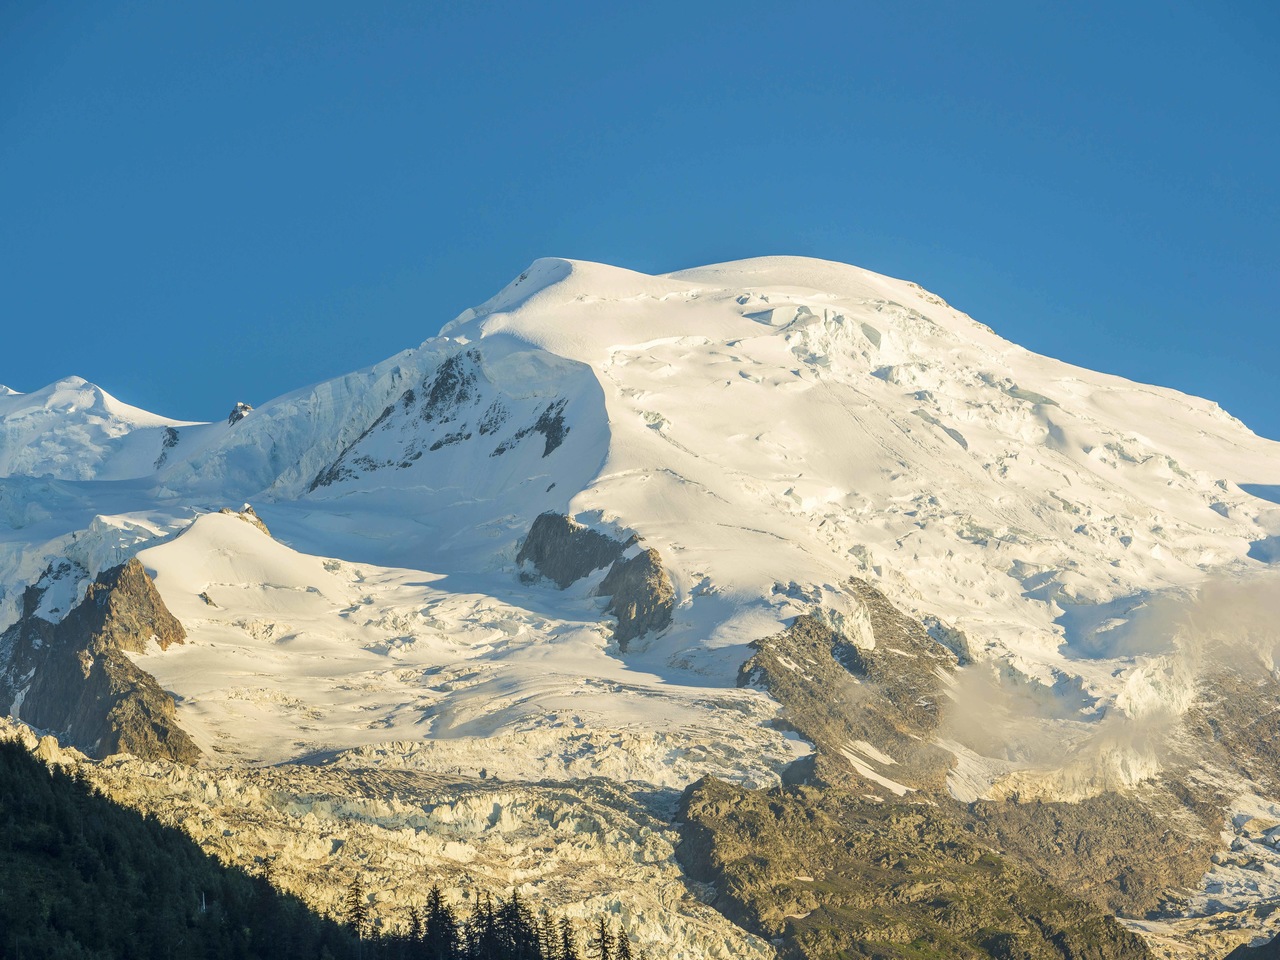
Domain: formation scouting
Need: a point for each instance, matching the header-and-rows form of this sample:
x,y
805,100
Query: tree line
x,y
501,929
85,878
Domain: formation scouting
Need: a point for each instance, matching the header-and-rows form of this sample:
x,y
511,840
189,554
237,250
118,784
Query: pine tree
x,y
568,941
600,946
358,907
624,951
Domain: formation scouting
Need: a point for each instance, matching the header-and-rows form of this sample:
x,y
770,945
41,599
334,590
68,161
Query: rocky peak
x,y
76,679
123,610
238,412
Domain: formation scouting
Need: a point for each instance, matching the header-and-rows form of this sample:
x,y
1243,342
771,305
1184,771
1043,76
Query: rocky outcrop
x,y
640,596
869,707
238,413
1266,951
564,551
455,403
248,515
824,874
550,424
75,678
873,708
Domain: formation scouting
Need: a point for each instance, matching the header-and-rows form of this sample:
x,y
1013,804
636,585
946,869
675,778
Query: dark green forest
x,y
83,878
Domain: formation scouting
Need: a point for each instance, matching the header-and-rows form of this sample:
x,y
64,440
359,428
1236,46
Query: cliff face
x,y
845,697
640,592
640,596
75,678
563,550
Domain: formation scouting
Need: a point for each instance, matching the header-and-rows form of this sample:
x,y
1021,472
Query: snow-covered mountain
x,y
760,432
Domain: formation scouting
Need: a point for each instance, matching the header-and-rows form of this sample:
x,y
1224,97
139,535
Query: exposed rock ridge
x,y
76,679
1136,856
872,710
869,708
1266,951
564,551
451,405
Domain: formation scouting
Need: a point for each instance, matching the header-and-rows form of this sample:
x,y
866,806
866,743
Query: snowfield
x,y
770,426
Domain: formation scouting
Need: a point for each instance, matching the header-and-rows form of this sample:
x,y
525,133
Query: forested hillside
x,y
83,877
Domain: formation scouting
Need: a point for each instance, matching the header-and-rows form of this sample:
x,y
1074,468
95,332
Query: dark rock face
x,y
238,413
641,596
1127,854
1131,854
1240,716
550,424
123,610
75,679
826,874
1266,951
563,550
170,441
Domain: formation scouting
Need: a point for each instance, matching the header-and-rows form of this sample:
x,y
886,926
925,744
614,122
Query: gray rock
x,y
248,515
834,693
641,596
829,873
563,550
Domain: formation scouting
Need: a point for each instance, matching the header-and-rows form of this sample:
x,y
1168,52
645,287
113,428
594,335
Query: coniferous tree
x,y
517,930
600,946
482,939
441,937
623,950
548,936
357,904
568,941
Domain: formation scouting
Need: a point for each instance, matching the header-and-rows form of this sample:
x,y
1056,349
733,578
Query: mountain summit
x,y
720,522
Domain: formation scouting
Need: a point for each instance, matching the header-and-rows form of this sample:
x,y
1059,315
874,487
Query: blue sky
x,y
202,203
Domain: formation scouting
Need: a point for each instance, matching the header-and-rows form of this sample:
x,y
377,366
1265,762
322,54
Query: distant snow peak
x,y
238,413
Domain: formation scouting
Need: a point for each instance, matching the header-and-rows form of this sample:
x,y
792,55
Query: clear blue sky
x,y
209,202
